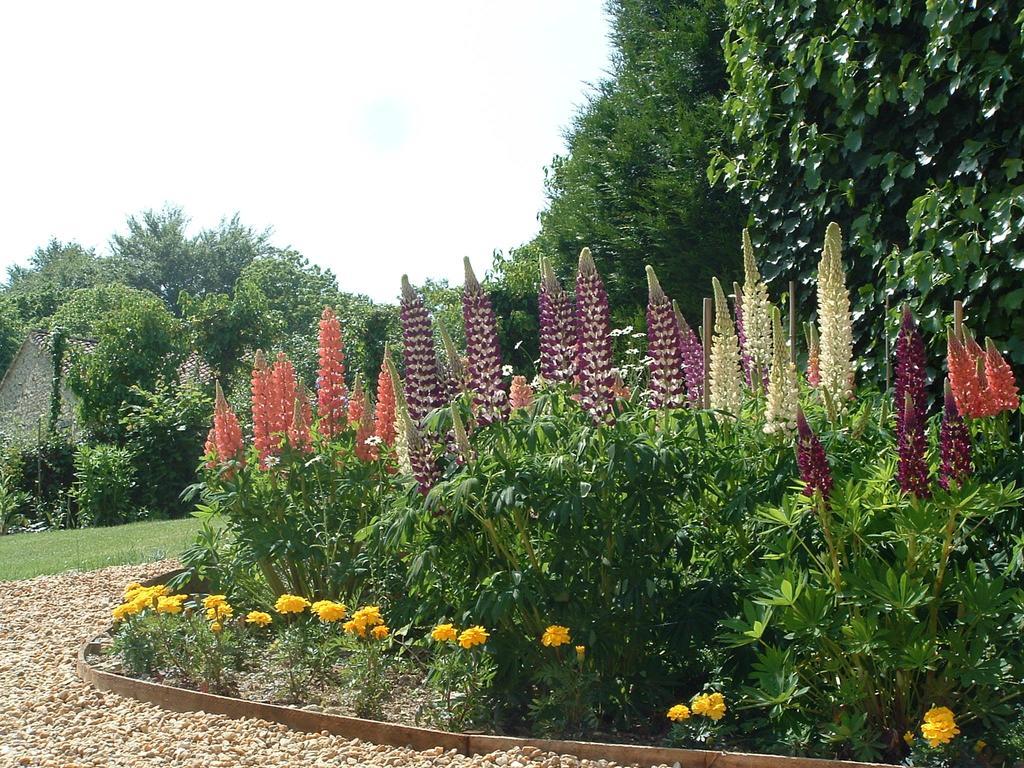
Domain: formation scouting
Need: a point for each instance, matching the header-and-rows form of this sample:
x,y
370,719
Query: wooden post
x,y
958,319
709,320
792,321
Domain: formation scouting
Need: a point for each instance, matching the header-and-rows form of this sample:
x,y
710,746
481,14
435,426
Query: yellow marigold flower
x,y
216,626
908,737
473,636
259,618
328,610
581,651
554,636
127,609
219,612
291,604
368,616
678,713
380,632
171,604
213,601
444,633
131,590
353,627
939,726
710,705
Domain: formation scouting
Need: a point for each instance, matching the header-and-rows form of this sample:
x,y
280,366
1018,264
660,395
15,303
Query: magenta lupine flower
x,y
954,445
910,374
593,339
811,459
484,353
741,332
692,353
422,382
912,467
557,328
664,348
425,466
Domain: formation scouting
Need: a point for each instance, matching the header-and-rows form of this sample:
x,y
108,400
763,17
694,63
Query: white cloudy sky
x,y
377,138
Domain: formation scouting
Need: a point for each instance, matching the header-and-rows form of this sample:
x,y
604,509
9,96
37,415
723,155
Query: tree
x,y
85,310
633,185
901,121
54,272
11,335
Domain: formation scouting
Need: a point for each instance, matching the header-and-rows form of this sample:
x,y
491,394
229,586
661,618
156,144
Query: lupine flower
x,y
912,467
357,401
757,311
954,445
813,358
726,394
834,319
593,342
910,374
457,379
210,448
274,396
520,393
664,348
741,334
464,450
781,405
557,328
261,376
1002,389
366,450
298,431
422,381
811,460
331,392
384,416
425,467
693,358
483,351
227,434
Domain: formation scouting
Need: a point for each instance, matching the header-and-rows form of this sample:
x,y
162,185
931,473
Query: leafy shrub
x,y
45,472
12,503
104,485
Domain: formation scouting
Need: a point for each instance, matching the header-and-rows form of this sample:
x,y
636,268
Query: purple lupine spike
x,y
483,351
593,339
954,445
422,382
910,374
741,333
664,348
692,353
912,467
557,328
811,459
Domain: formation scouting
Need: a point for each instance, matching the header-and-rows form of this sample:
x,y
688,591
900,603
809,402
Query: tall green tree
x,y
633,185
902,122
53,273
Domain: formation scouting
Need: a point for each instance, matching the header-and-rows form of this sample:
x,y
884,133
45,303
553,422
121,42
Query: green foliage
x,y
12,333
901,122
633,185
462,678
164,432
86,310
138,345
567,704
34,292
12,505
46,473
104,485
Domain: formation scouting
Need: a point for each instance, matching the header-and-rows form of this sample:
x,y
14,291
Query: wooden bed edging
x,y
184,700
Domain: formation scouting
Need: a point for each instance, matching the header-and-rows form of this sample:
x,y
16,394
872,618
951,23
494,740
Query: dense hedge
x,y
900,120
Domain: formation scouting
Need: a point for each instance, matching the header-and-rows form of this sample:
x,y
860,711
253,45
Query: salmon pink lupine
x,y
692,354
210,448
520,393
664,348
422,381
557,327
593,340
489,398
967,375
366,442
954,445
284,392
811,460
261,377
331,392
912,467
357,402
1001,391
298,431
910,374
227,433
384,416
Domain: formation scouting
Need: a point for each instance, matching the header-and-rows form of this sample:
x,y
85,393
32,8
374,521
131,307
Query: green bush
x,y
104,485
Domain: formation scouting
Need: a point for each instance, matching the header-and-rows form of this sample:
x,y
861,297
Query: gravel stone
x,y
48,717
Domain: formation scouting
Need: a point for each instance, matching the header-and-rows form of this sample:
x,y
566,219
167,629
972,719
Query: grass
x,y
24,555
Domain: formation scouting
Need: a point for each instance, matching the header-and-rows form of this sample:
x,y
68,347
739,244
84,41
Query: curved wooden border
x,y
184,700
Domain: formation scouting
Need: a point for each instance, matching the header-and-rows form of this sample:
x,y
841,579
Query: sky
x,y
376,138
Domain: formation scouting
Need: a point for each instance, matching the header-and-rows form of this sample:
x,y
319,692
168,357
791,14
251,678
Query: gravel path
x,y
51,719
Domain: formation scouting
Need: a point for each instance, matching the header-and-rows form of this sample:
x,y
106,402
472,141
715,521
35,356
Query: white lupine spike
x,y
834,320
726,394
780,410
757,310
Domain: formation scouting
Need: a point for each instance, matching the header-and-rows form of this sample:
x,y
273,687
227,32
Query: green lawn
x,y
24,555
